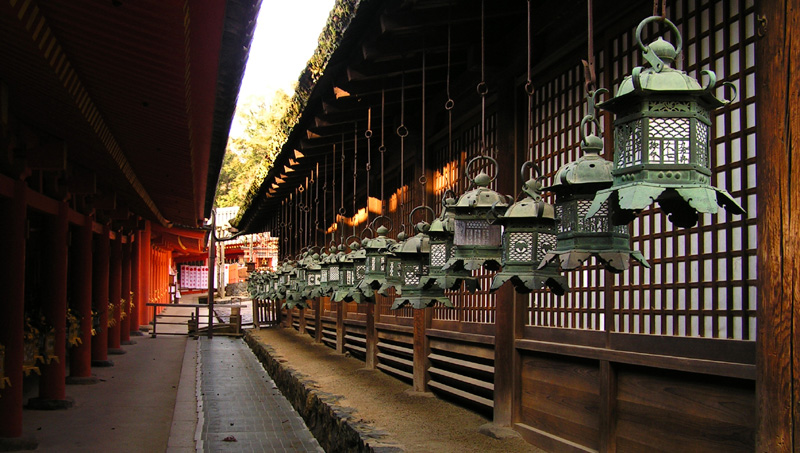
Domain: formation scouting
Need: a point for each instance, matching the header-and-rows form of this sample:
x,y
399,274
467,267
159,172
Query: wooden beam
x,y
778,144
50,156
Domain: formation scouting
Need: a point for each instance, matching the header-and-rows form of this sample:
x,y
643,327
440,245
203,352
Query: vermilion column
x,y
135,286
125,326
144,274
52,388
114,294
100,264
13,217
80,365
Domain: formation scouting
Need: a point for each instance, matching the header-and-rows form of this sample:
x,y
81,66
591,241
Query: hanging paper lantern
x,y
528,233
580,237
477,242
662,133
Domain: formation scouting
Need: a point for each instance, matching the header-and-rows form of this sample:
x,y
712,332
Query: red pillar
x,y
80,365
135,286
13,217
100,263
114,294
125,326
52,388
144,274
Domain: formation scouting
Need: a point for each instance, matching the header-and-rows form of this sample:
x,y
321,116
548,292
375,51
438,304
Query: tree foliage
x,y
253,151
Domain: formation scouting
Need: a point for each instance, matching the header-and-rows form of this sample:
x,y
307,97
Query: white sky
x,y
285,38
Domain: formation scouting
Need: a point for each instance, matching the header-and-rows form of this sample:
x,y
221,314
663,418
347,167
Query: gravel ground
x,y
415,423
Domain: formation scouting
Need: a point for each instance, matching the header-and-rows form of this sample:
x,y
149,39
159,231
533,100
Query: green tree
x,y
252,152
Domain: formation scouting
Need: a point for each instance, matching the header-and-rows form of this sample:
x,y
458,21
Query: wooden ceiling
x,y
141,93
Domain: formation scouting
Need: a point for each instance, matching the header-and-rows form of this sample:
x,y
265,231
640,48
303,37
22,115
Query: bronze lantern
x,y
578,236
528,233
414,255
348,277
393,268
441,233
375,264
662,133
476,241
313,277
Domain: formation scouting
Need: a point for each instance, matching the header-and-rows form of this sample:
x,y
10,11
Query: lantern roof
x,y
480,197
420,243
590,168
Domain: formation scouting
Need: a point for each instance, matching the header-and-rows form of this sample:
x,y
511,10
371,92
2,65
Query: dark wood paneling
x,y
673,411
560,396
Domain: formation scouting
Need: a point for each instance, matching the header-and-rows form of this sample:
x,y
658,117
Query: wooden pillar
x,y
778,144
144,274
100,266
114,293
13,218
125,325
341,314
52,384
318,320
372,338
302,321
80,365
136,300
422,321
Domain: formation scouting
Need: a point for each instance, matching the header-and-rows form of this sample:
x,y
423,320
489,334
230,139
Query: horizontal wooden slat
x,y
462,363
384,327
355,348
396,371
355,339
460,377
549,441
398,349
460,336
462,348
461,394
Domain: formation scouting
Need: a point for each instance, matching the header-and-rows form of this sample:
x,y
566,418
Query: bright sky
x,y
285,38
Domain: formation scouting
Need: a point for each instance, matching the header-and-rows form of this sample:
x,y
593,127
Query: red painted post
x,y
52,386
80,365
100,264
136,300
13,218
114,293
144,274
125,326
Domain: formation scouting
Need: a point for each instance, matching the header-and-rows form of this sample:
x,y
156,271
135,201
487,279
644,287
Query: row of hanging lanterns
x,y
661,154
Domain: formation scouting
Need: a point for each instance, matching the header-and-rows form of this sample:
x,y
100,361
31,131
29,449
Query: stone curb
x,y
334,426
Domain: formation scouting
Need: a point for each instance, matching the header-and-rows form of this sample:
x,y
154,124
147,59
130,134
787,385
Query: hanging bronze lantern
x,y
528,233
312,289
441,234
393,275
297,284
579,237
414,255
375,263
662,133
330,272
359,256
477,242
348,281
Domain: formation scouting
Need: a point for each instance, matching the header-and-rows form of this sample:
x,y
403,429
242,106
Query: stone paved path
x,y
238,400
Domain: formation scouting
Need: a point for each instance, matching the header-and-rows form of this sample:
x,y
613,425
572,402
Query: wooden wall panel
x,y
673,411
560,396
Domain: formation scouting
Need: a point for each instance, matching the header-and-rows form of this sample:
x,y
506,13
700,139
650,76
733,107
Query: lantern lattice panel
x,y
703,279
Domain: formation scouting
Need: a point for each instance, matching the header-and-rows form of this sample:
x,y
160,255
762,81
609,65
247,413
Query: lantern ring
x,y
529,88
341,211
306,208
382,149
733,89
410,216
482,89
375,220
352,236
449,104
469,165
368,133
402,131
301,189
423,180
372,233
530,165
491,215
584,122
646,49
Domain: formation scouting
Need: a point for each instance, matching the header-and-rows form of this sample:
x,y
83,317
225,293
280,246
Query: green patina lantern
x,y
662,133
330,269
441,234
324,264
312,289
269,281
528,233
359,256
414,254
580,237
375,263
351,266
297,284
476,242
393,276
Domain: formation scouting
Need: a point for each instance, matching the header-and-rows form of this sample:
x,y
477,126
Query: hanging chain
x,y
402,131
529,87
589,75
368,135
482,88
316,206
448,105
382,150
325,205
355,172
423,179
341,195
663,10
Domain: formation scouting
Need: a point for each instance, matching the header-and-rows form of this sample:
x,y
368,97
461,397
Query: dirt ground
x,y
414,423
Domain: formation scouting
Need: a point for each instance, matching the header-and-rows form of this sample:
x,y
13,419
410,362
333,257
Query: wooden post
x,y
13,218
778,144
136,300
125,325
100,266
80,366
372,338
52,389
318,320
341,313
144,274
302,327
114,293
422,320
